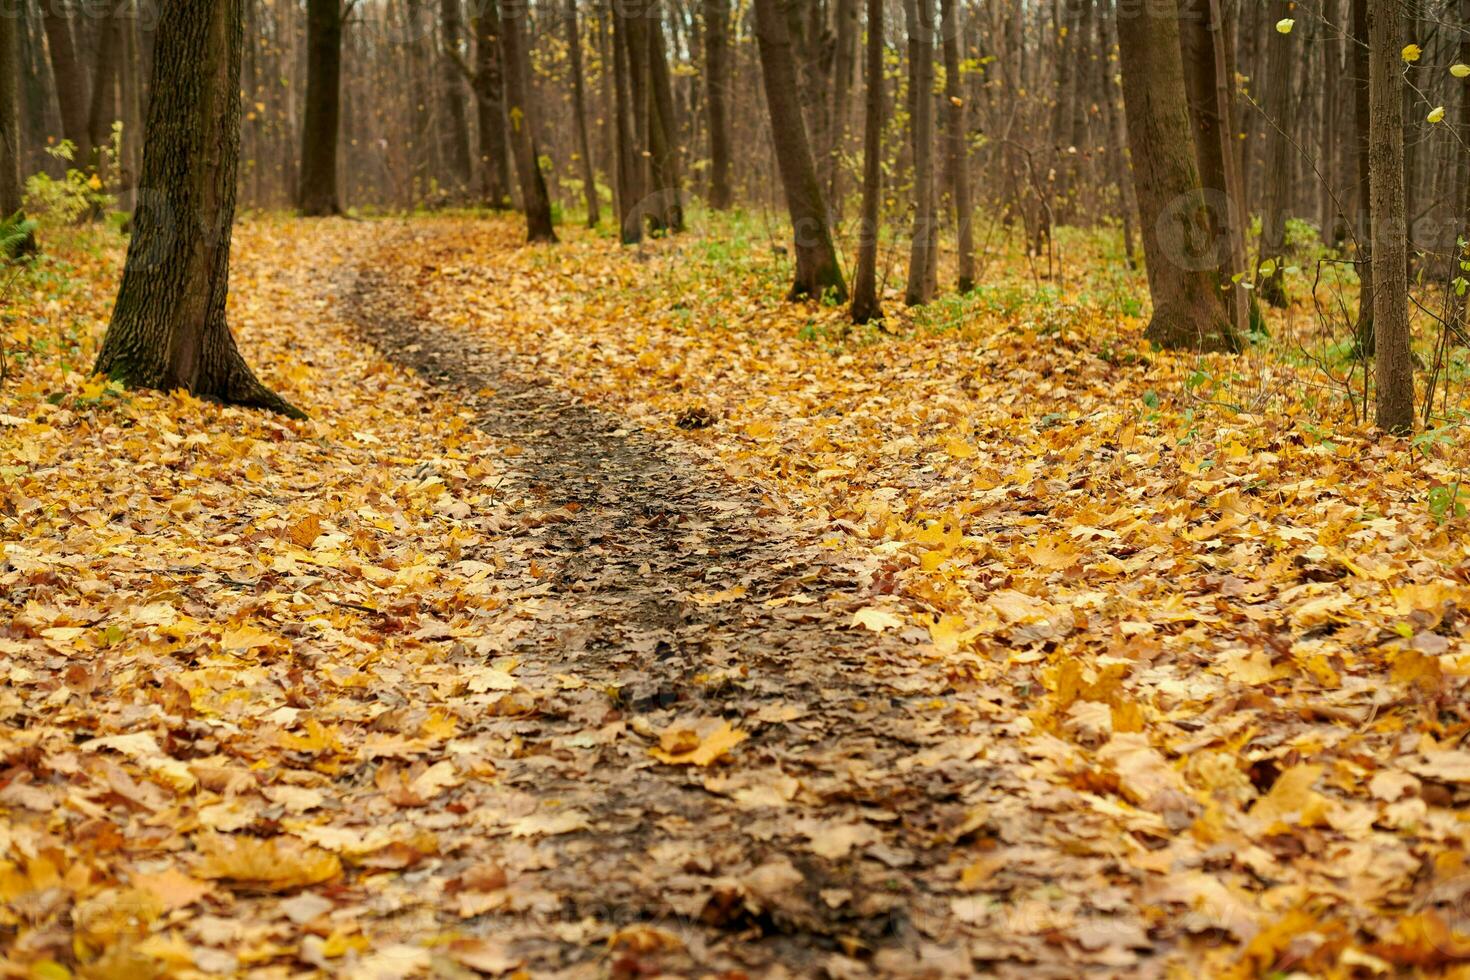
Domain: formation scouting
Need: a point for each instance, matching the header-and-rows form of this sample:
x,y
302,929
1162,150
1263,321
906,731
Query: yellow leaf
x,y
684,746
876,619
1411,53
272,864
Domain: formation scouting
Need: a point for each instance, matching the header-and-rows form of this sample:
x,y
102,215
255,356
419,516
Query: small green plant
x,y
1444,502
78,195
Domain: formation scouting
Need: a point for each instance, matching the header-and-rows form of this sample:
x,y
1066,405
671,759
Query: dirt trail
x,y
834,837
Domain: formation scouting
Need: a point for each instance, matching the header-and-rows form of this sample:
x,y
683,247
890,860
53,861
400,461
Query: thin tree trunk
x,y
1394,368
959,156
490,103
1183,267
846,12
452,97
1117,154
717,79
70,79
664,132
865,304
579,106
817,272
168,327
318,194
101,115
923,257
631,165
1362,223
534,198
11,192
1280,175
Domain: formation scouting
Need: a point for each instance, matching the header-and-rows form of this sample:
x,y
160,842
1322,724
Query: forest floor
x,y
610,617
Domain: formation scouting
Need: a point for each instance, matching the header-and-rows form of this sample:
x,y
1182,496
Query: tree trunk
x,y
490,103
1113,120
717,78
817,272
959,156
1394,368
11,191
923,251
319,128
846,12
1280,175
631,164
1362,229
579,106
865,304
534,198
168,327
1183,267
663,130
70,78
102,113
452,97
1207,70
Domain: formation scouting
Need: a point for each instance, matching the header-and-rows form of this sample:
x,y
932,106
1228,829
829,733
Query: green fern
x,y
17,236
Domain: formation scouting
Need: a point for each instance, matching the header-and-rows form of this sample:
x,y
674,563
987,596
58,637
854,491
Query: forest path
x,y
833,838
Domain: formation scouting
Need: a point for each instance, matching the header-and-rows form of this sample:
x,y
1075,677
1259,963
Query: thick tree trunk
x,y
817,271
490,103
579,106
421,119
1183,267
923,251
459,166
958,142
168,328
1280,175
319,128
70,78
865,304
717,80
534,198
1394,368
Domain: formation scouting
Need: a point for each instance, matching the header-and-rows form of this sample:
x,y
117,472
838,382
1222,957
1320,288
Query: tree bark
x,y
923,251
168,328
534,198
490,103
1280,174
579,106
959,155
1183,267
717,78
70,78
1394,367
817,272
1118,156
317,193
865,304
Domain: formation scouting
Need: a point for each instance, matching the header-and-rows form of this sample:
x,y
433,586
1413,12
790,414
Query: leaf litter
x,y
948,652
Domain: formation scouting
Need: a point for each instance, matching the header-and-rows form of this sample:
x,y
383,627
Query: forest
x,y
734,488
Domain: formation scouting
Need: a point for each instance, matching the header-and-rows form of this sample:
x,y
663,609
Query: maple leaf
x,y
270,864
696,744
